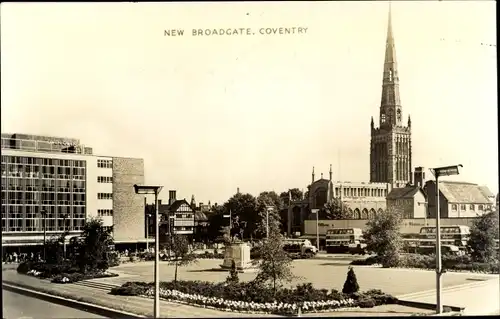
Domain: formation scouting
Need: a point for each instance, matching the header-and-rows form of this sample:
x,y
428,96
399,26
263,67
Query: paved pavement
x,y
414,285
98,294
20,306
478,298
328,274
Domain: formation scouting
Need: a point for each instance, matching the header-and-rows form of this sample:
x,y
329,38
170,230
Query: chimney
x,y
171,197
237,190
419,176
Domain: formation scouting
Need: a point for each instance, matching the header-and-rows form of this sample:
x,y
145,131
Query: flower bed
x,y
245,306
250,297
44,270
59,273
75,277
452,263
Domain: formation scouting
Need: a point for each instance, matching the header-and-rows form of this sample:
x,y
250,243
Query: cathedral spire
x,y
390,105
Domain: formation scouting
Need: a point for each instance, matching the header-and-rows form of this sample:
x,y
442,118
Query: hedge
x,y
59,273
450,262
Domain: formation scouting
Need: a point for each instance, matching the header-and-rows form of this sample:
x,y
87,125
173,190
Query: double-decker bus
x,y
453,238
345,240
450,235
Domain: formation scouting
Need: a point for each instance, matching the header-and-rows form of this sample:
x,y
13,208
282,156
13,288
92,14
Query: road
x,y
16,306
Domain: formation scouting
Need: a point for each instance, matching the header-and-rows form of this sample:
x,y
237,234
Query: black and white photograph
x,y
249,159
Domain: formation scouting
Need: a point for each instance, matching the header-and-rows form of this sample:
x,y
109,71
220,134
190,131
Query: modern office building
x,y
60,183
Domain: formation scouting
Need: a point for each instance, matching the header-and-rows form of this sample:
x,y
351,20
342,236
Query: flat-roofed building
x,y
65,180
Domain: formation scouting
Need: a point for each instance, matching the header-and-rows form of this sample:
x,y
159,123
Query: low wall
x,y
409,225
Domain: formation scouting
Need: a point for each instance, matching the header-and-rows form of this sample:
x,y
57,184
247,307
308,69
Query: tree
x,y
483,236
216,221
95,246
295,193
275,265
244,206
336,210
382,236
273,218
270,198
233,274
351,283
182,254
55,249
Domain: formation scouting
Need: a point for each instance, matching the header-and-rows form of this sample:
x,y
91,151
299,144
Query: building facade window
x,y
104,163
454,207
463,207
480,207
31,185
104,179
104,212
104,195
471,207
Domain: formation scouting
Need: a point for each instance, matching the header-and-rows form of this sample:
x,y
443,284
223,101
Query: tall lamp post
x,y
148,216
316,212
268,210
438,172
44,214
64,216
154,190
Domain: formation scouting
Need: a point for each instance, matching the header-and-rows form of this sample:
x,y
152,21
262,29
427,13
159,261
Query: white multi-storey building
x,y
55,184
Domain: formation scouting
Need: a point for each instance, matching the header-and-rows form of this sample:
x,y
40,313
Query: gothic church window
x,y
390,74
382,118
399,114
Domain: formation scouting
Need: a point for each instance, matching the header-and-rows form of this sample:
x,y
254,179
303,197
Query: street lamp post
x,y
148,216
44,214
154,190
316,211
438,172
64,216
268,209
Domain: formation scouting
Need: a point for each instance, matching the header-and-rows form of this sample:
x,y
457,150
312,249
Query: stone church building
x,y
390,158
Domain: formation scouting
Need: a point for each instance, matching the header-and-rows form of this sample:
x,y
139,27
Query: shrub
x,y
47,270
131,289
233,274
372,260
351,283
114,259
209,255
68,278
24,267
366,302
380,297
450,262
74,277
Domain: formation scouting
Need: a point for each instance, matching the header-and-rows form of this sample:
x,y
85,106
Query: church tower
x,y
390,147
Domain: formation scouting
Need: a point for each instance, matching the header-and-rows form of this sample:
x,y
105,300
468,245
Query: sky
x,y
210,114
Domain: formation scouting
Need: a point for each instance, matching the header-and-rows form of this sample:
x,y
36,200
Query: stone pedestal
x,y
240,253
